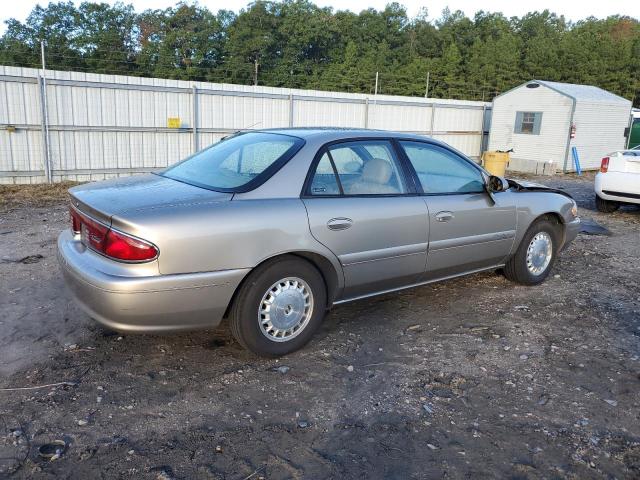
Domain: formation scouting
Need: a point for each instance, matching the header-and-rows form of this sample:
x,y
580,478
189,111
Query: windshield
x,y
237,163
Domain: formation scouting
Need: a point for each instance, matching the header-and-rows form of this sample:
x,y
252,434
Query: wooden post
x,y
426,92
255,72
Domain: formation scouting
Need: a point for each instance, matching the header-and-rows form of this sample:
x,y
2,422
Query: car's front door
x,y
468,229
358,206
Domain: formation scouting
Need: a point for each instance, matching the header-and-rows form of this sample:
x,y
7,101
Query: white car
x,y
618,181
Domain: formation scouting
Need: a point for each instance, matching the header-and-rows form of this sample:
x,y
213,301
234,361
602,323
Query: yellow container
x,y
495,163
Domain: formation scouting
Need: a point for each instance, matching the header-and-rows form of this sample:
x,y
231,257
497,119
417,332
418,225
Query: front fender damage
x,y
524,186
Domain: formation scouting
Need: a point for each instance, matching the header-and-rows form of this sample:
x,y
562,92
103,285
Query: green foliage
x,y
295,43
184,42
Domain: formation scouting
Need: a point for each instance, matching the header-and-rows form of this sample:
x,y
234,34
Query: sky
x,y
571,9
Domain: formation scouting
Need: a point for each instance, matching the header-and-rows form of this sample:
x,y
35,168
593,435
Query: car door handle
x,y
341,223
444,216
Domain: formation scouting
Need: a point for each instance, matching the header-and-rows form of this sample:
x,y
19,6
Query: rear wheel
x,y
535,255
606,206
279,307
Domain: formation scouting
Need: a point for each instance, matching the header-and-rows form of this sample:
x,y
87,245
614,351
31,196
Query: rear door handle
x,y
444,216
340,223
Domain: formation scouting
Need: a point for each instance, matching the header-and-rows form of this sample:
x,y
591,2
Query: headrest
x,y
377,170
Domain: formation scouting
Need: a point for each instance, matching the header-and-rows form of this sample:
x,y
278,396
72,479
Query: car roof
x,y
329,134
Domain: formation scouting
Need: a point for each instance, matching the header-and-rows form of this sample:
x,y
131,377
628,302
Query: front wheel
x,y
279,307
606,206
535,255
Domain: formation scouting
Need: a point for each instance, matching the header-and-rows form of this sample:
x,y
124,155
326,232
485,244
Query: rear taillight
x,y
75,220
123,247
93,234
604,165
111,243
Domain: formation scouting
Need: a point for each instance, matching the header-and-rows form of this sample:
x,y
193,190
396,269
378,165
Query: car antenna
x,y
241,130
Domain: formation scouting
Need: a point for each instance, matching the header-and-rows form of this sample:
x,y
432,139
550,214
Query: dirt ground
x,y
471,378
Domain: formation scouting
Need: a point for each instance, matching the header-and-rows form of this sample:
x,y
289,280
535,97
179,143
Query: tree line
x,y
295,43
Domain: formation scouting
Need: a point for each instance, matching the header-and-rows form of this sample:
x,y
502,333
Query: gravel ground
x,y
470,378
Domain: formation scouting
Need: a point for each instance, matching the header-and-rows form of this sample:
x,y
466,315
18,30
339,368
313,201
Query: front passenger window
x,y
442,171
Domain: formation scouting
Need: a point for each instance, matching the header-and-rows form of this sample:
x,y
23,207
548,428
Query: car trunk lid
x,y
627,162
118,196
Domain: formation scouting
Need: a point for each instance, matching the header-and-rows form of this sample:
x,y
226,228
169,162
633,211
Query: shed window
x,y
528,122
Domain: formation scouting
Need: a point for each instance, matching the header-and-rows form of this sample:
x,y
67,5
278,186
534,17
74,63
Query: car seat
x,y
375,178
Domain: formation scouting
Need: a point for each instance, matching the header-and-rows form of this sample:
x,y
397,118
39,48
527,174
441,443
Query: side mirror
x,y
497,184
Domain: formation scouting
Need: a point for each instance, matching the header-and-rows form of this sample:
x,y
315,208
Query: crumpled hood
x,y
526,186
116,196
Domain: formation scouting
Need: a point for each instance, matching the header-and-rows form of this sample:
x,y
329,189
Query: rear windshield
x,y
237,163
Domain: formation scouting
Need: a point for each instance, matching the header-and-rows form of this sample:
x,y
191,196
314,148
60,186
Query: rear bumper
x,y
618,186
144,303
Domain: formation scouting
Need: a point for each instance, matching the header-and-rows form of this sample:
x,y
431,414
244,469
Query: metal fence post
x,y
291,109
194,119
483,139
433,118
366,112
44,127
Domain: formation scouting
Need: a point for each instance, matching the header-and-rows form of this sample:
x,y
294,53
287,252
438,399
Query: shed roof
x,y
583,92
576,92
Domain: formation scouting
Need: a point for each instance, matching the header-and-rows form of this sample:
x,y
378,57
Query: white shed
x,y
543,120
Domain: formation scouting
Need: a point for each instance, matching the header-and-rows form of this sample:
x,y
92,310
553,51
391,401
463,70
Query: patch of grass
x,y
38,195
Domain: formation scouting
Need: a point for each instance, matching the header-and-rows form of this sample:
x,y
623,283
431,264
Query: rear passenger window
x,y
324,181
363,168
442,171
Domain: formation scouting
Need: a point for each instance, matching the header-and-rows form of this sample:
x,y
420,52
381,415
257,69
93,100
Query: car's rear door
x,y
468,229
361,206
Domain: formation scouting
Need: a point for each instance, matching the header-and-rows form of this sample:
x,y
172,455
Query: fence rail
x,y
97,126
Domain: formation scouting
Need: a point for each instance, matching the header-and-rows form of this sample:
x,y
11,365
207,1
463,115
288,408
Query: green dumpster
x,y
634,135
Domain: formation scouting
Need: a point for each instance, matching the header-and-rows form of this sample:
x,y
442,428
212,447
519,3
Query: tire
x,y
279,307
606,206
534,270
